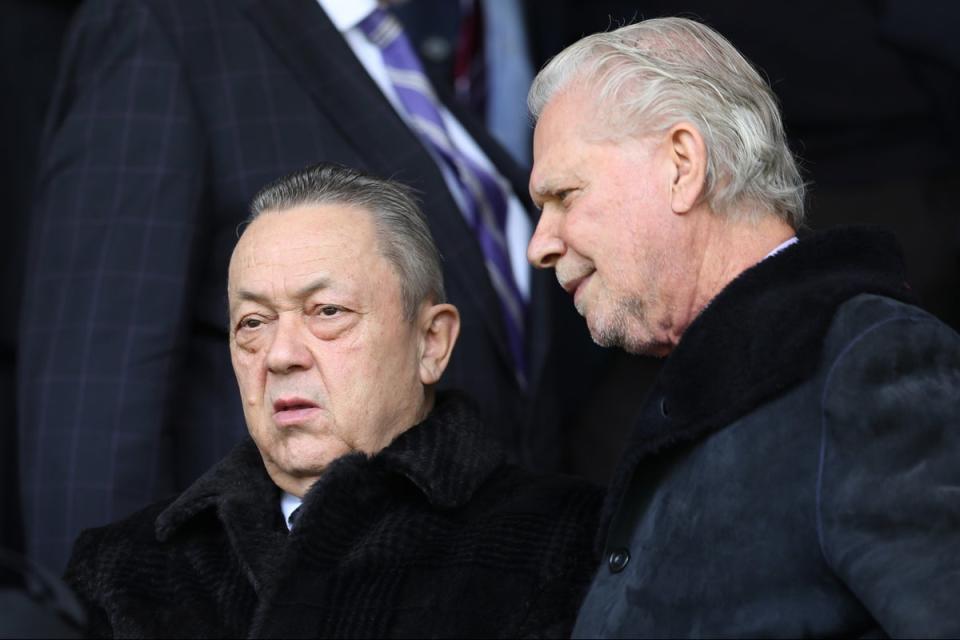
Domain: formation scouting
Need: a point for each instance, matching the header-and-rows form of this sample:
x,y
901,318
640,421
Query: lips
x,y
574,285
570,286
292,411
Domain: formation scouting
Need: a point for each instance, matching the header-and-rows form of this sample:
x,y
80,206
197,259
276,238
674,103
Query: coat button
x,y
618,560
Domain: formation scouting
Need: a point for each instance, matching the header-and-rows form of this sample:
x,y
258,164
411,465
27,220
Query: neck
x,y
723,247
298,485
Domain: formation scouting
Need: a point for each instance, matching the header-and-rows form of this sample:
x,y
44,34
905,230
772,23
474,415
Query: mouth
x,y
574,286
293,411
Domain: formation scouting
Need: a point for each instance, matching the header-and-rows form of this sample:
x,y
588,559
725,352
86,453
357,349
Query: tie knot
x,y
380,27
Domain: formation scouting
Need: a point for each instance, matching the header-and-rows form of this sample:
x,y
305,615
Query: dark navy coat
x,y
796,470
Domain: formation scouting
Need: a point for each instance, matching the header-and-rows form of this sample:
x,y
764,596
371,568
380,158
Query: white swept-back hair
x,y
648,76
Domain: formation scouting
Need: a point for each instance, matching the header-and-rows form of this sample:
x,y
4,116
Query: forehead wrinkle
x,y
279,250
276,262
318,283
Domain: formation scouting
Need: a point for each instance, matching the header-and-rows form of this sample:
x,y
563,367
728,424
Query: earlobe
x,y
440,326
689,156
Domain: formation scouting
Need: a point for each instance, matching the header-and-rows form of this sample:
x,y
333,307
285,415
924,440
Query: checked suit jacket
x,y
168,116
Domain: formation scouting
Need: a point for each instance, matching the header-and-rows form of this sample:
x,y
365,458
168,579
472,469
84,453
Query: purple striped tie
x,y
485,198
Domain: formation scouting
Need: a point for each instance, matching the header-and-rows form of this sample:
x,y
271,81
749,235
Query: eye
x,y
564,194
249,322
327,310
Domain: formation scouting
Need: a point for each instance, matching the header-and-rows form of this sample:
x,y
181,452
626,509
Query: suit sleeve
x,y
889,488
113,228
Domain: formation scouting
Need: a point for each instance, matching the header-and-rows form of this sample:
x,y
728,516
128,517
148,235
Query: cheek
x,y
340,377
250,372
578,232
595,220
384,371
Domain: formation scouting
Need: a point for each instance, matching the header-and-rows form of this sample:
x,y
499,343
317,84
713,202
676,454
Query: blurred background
x,y
870,91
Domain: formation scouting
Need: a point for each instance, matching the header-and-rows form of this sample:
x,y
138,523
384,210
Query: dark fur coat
x,y
795,470
435,536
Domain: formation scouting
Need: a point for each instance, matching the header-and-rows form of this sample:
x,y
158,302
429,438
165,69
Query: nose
x,y
288,350
546,247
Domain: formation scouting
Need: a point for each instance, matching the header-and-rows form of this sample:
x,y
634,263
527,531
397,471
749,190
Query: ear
x,y
688,154
439,327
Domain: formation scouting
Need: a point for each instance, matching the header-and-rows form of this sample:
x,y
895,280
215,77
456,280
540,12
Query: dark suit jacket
x,y
31,32
168,117
433,537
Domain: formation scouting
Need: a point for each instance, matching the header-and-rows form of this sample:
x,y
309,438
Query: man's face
x,y
325,360
607,225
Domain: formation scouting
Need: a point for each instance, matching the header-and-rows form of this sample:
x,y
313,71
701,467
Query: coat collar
x,y
238,479
447,457
238,494
760,336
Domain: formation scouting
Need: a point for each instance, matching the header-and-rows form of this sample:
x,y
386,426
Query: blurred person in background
x,y
31,32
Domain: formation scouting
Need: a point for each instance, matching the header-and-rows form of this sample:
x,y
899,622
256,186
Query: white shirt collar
x,y
780,247
347,14
289,504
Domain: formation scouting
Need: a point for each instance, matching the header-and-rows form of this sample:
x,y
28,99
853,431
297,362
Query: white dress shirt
x,y
288,504
780,247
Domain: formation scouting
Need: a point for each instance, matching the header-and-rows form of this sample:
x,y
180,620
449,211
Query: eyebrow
x,y
544,191
540,191
323,282
551,186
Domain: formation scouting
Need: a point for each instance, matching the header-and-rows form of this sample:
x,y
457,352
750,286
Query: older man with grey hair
x,y
365,504
794,468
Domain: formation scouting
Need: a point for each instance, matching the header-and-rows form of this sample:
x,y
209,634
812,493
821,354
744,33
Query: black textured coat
x,y
795,470
435,536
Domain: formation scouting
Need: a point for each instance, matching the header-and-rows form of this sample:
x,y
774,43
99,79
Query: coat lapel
x,y
307,42
239,493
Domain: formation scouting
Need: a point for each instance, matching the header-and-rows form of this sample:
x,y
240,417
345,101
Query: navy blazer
x,y
168,116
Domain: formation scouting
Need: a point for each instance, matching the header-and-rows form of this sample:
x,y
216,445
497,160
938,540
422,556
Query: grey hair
x,y
402,232
653,74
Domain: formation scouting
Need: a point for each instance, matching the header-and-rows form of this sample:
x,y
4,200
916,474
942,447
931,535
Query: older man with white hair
x,y
794,468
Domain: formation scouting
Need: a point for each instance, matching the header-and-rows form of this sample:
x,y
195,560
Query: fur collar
x,y
760,336
447,457
240,478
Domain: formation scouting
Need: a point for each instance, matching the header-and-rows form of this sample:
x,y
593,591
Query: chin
x,y
606,332
616,335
